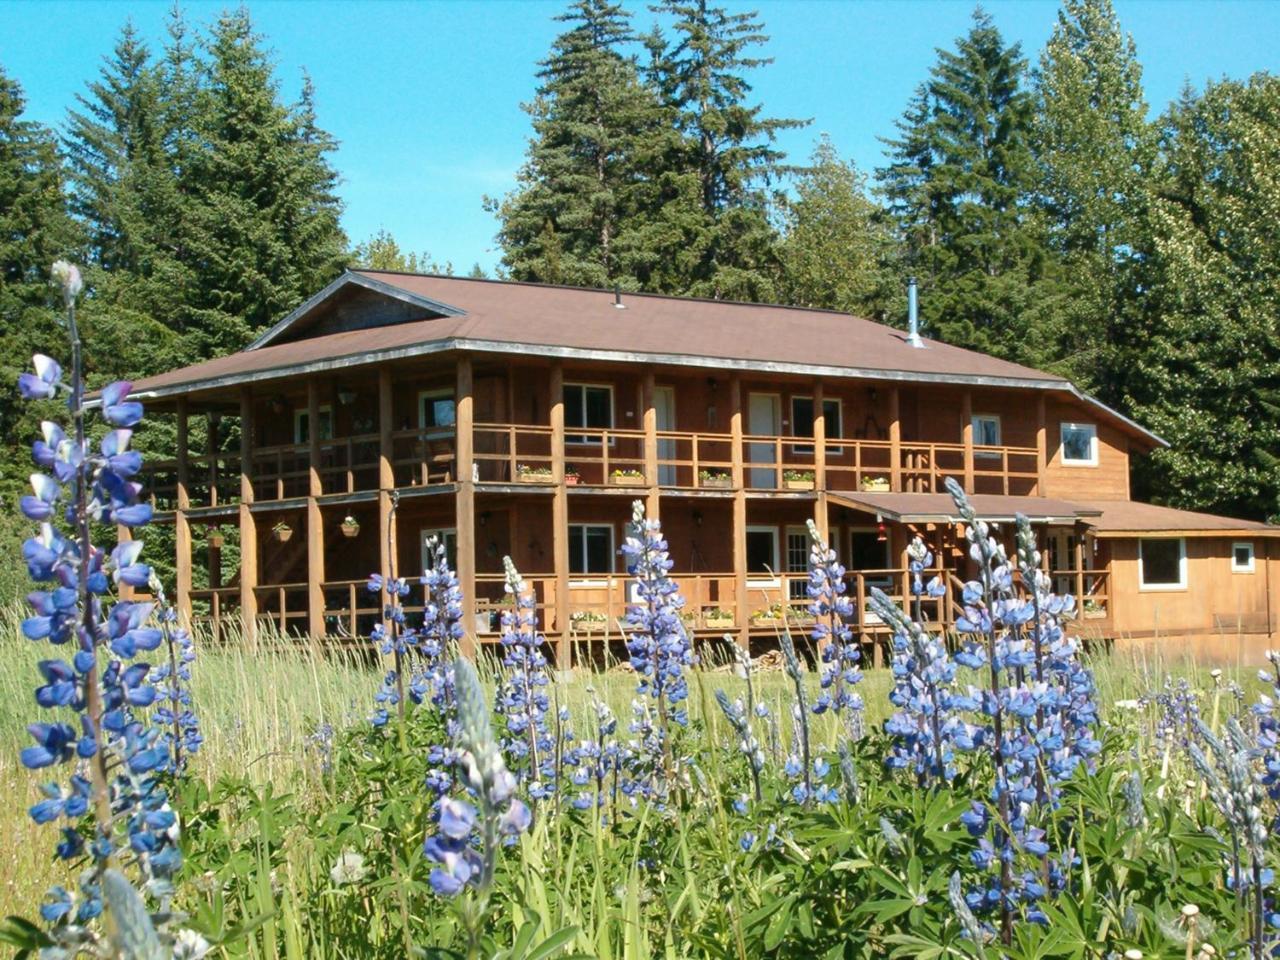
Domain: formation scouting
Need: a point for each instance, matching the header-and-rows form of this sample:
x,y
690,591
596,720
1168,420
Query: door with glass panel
x,y
664,406
764,419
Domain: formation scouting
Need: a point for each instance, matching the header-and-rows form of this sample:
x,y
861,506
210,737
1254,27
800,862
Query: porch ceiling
x,y
939,507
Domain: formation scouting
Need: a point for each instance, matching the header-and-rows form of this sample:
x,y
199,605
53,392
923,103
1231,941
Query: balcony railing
x,y
594,457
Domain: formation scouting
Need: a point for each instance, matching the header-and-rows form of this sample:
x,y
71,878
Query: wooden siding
x,y
1107,480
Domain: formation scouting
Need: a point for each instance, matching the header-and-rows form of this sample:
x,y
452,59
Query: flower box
x,y
875,484
626,480
719,483
766,621
572,479
721,622
797,484
534,476
587,625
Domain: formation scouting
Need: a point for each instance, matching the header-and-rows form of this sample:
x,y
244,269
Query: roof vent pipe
x,y
617,297
913,315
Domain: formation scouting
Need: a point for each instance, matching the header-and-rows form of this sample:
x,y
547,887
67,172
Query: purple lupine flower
x,y
659,650
522,692
832,611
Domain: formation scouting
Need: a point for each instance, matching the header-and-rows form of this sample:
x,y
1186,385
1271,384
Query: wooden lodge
x,y
523,420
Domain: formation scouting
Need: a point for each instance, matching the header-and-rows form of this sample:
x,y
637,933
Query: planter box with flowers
x,y
716,619
771,616
588,621
528,474
571,477
1093,610
350,526
797,479
875,484
626,478
282,531
718,479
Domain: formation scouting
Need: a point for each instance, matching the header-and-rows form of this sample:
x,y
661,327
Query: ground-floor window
x,y
1242,557
867,551
1162,564
590,548
762,551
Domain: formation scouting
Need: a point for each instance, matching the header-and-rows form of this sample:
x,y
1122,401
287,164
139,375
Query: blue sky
x,y
425,97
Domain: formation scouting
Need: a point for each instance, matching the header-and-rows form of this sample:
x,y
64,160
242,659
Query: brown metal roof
x,y
940,508
537,319
1124,517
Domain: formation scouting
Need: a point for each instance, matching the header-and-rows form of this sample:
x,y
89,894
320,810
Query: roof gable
x,y
354,301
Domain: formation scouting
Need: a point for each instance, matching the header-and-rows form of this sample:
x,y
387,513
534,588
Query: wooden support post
x,y
315,520
211,448
465,503
820,461
650,415
386,474
1079,560
559,518
966,431
1042,445
740,613
248,526
181,525
895,440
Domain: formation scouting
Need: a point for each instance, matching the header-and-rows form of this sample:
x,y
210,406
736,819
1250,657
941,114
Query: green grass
x,y
256,711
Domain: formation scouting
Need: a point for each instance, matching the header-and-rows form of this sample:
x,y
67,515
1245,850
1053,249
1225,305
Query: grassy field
x,y
257,711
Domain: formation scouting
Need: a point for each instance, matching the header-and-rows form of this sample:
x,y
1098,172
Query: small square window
x,y
590,548
1162,564
986,433
1242,557
1080,444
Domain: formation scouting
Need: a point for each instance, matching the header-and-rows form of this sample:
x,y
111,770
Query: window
x,y
302,424
1162,564
436,409
986,433
868,552
450,538
802,420
587,406
590,548
1080,444
762,550
1242,557
798,563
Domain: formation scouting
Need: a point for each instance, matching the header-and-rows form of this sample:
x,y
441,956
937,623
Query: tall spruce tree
x,y
1205,359
835,240
725,166
1093,145
959,176
35,230
265,214
578,213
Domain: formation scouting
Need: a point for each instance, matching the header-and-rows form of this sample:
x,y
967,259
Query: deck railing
x,y
595,457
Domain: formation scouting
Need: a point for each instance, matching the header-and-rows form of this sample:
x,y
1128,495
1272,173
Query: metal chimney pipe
x,y
913,315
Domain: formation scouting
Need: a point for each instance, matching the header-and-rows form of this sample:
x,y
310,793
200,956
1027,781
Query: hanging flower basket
x,y
282,531
350,527
216,538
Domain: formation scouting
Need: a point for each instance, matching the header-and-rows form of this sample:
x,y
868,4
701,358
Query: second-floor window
x,y
302,424
802,420
436,409
590,548
986,433
1080,444
587,405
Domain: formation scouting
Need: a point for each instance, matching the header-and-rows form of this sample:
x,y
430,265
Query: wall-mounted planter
x,y
797,484
626,480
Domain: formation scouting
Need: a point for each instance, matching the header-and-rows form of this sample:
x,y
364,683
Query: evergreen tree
x,y
35,230
577,214
1206,358
725,163
265,216
835,241
1093,144
961,172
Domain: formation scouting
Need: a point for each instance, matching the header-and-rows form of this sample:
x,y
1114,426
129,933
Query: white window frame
x,y
807,448
992,418
583,441
300,412
444,533
1066,425
596,579
1251,566
1145,587
423,397
763,579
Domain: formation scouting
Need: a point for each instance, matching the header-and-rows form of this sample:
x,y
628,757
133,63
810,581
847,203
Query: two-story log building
x,y
522,419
